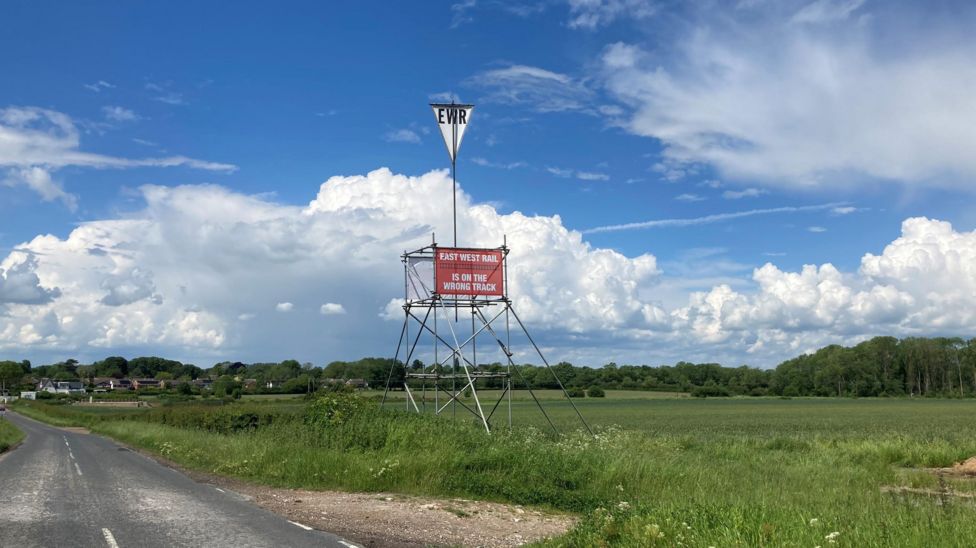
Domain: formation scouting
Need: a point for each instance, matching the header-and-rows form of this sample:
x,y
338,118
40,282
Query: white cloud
x,y
808,104
166,95
402,136
185,275
209,258
591,14
847,210
540,89
332,309
687,197
119,114
35,142
924,283
284,307
744,193
592,176
824,11
707,219
500,165
816,229
461,12
581,175
98,86
39,180
19,282
129,287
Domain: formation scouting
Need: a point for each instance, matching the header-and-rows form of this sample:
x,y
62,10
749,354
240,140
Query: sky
x,y
733,182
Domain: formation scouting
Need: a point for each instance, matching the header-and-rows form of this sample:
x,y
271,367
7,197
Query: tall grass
x,y
701,473
10,435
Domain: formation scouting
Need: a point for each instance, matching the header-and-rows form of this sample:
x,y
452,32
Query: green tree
x,y
11,374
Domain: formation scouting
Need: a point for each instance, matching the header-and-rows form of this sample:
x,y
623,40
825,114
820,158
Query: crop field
x,y
660,471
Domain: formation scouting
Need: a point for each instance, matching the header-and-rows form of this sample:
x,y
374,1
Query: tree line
x,y
882,366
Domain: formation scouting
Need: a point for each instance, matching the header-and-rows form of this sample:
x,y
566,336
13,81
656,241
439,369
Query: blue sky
x,y
790,133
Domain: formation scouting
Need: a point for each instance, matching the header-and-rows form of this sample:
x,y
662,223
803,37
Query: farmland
x,y
661,470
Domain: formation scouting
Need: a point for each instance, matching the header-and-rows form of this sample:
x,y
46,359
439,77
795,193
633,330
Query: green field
x,y
661,470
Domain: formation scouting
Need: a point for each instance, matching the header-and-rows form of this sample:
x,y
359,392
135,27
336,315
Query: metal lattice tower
x,y
453,370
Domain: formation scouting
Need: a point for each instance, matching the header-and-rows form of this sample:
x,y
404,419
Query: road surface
x,y
70,489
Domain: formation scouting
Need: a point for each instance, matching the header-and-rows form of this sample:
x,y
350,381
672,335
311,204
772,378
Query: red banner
x,y
469,272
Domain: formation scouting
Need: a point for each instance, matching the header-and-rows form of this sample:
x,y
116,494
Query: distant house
x,y
102,384
358,383
250,384
146,383
274,384
61,387
202,383
120,384
28,395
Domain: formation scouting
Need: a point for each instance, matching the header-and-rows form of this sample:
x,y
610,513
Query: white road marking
x,y
306,527
349,544
78,468
70,454
109,538
219,489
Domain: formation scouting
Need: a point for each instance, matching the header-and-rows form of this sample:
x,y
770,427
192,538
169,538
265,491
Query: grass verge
x,y
10,435
771,473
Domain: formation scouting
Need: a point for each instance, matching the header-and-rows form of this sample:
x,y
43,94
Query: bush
x,y
710,391
576,392
334,409
596,392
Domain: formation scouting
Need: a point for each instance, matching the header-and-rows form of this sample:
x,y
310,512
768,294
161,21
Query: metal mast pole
x,y
454,187
454,128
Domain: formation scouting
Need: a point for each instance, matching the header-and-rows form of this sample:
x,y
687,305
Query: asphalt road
x,y
70,489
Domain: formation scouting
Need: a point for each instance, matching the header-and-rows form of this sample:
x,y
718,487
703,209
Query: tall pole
x,y
454,202
454,138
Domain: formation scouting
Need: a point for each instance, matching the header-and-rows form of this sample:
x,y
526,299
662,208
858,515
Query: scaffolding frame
x,y
428,310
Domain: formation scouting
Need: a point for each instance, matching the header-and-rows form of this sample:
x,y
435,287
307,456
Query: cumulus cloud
x,y
19,282
332,309
35,142
190,273
181,275
129,287
812,94
923,283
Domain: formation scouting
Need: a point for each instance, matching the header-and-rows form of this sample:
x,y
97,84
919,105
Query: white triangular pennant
x,y
453,120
